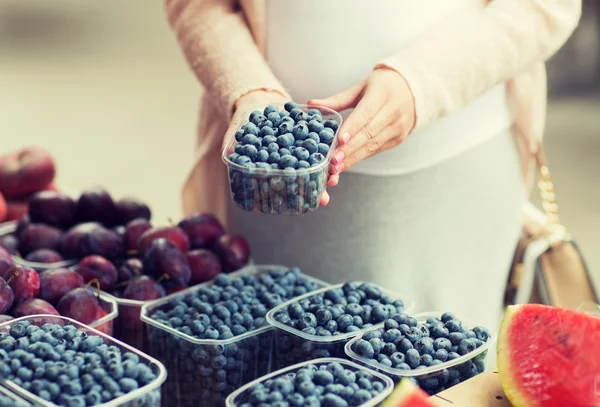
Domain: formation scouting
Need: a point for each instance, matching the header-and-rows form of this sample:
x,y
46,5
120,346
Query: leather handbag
x,y
548,267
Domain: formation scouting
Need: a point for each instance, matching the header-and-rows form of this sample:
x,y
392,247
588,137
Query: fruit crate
x,y
8,228
10,399
279,191
145,396
242,396
432,379
294,346
205,371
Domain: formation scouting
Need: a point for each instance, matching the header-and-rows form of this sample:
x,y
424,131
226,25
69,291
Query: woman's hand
x,y
247,102
383,116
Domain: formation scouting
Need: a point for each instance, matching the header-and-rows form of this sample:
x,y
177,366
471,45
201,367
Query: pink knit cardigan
x,y
506,41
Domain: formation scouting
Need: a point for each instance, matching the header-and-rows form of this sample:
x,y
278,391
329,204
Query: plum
x,y
174,234
130,268
44,256
26,171
97,267
203,230
7,265
96,205
172,287
10,243
133,231
234,252
23,222
143,288
164,257
74,243
130,208
3,208
7,296
205,265
104,242
54,284
39,236
5,318
80,304
53,208
25,283
33,307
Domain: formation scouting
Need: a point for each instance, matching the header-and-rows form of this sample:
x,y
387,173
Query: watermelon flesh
x,y
408,394
549,357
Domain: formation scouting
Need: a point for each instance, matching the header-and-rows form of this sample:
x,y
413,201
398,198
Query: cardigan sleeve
x,y
471,51
220,49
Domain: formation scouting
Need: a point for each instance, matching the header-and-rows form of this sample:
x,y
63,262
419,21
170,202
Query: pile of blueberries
x,y
204,372
290,140
314,385
70,368
404,344
344,310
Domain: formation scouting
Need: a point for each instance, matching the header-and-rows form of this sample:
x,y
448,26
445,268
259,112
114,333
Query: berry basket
x,y
281,185
346,379
10,399
205,371
432,379
294,345
8,228
109,391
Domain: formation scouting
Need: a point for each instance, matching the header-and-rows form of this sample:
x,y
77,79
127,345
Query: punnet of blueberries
x,y
319,325
326,383
278,159
214,338
404,346
69,367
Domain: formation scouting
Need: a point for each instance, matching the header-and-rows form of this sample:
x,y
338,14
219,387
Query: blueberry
x,y
315,126
389,349
454,325
267,140
377,345
284,151
274,118
397,359
274,157
425,346
250,151
392,335
323,149
301,153
413,358
307,320
439,331
239,149
456,337
332,124
441,354
413,334
300,131
285,140
333,400
286,127
323,316
303,164
466,346
249,129
311,145
326,136
361,397
344,321
243,160
323,378
316,158
481,333
380,313
447,316
306,388
266,132
262,155
331,326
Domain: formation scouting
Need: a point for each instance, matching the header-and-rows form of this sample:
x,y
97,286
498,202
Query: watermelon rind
x,y
408,394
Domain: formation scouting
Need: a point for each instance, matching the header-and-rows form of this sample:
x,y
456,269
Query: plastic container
x,y
106,323
147,396
436,378
240,396
294,346
203,372
8,228
8,398
276,191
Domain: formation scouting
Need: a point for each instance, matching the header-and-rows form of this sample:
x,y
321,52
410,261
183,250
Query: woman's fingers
x,y
324,199
388,138
333,180
366,110
343,100
368,135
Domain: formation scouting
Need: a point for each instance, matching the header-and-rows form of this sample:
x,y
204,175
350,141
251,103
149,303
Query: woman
x,y
429,202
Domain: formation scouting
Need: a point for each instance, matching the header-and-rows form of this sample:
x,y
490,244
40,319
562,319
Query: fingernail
x,y
338,157
338,168
345,137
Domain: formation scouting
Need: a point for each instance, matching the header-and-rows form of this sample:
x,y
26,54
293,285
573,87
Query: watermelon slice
x,y
549,357
408,394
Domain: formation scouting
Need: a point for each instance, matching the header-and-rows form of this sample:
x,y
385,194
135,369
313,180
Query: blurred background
x,y
104,87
